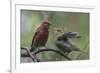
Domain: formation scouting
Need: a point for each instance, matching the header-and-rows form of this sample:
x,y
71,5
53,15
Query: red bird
x,y
41,36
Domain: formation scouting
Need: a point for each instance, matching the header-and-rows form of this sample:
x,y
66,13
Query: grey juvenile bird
x,y
64,42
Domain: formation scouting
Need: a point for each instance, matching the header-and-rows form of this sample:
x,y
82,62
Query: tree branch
x,y
56,51
29,54
43,50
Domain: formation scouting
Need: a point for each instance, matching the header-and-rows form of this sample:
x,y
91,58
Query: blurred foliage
x,y
69,21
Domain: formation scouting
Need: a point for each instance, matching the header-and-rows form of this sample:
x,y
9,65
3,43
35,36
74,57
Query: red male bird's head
x,y
46,25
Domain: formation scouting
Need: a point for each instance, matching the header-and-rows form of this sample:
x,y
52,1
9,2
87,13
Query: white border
x,y
15,34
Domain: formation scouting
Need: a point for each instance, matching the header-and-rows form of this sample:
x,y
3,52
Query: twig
x,y
42,50
33,57
56,51
24,54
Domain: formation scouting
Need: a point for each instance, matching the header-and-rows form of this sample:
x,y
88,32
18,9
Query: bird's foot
x,y
31,50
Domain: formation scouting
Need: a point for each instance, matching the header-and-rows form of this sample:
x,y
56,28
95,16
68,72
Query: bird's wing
x,y
34,38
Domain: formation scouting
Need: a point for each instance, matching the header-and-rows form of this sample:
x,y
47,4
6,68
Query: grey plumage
x,y
64,42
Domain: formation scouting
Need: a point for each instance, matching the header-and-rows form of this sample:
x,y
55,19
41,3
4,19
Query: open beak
x,y
78,35
49,24
74,35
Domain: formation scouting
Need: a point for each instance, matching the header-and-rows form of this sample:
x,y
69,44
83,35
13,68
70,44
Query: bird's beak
x,y
49,24
78,35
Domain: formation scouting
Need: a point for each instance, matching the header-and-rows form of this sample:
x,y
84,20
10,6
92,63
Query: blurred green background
x,y
69,21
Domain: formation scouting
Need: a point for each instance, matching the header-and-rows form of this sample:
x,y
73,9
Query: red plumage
x,y
41,36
